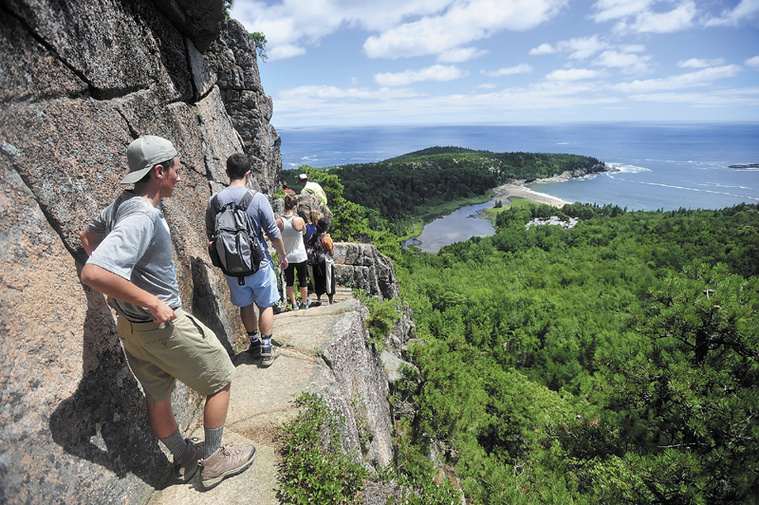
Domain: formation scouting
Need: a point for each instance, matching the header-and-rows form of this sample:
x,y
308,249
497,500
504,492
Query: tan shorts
x,y
183,349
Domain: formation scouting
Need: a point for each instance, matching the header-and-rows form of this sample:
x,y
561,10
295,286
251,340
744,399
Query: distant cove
x,y
458,226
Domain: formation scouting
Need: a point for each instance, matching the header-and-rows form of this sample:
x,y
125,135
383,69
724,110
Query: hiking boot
x,y
267,355
255,349
187,465
224,463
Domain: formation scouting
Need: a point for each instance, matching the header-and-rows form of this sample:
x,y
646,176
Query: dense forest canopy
x,y
613,362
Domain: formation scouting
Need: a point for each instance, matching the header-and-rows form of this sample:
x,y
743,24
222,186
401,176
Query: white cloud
x,y
284,51
460,24
460,55
641,16
628,62
582,48
745,97
753,62
690,80
574,74
744,11
501,72
433,73
300,23
312,94
608,10
542,49
700,63
675,20
290,23
405,27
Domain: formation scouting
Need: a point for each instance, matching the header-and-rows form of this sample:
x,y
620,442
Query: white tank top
x,y
294,246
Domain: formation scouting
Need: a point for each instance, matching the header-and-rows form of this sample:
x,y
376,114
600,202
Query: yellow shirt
x,y
314,188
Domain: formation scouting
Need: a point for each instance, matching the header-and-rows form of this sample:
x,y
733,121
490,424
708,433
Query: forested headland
x,y
423,184
613,362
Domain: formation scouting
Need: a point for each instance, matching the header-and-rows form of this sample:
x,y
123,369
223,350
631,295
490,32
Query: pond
x,y
458,226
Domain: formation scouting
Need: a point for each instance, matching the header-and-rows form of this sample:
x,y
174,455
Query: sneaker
x,y
306,305
255,349
267,355
224,463
296,306
188,463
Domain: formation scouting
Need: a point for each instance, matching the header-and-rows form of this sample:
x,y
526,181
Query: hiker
x,y
312,188
293,229
260,288
313,218
130,261
321,254
287,189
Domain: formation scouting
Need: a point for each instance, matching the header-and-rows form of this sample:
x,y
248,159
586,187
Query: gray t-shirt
x,y
259,212
136,245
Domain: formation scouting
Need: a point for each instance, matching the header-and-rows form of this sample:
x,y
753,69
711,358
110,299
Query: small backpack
x,y
315,249
234,246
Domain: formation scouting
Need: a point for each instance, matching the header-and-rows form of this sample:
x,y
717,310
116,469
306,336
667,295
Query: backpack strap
x,y
215,205
244,203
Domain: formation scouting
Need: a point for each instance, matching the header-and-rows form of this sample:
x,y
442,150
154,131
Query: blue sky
x,y
380,62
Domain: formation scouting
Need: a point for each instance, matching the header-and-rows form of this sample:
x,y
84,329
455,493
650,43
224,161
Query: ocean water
x,y
661,165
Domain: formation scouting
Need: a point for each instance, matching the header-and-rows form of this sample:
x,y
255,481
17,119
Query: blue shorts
x,y
259,288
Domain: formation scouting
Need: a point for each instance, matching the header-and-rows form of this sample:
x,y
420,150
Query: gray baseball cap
x,y
145,153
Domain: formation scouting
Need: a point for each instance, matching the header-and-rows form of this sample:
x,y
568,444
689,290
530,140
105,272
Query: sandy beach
x,y
516,190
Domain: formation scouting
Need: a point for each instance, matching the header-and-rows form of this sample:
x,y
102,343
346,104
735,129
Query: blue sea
x,y
661,165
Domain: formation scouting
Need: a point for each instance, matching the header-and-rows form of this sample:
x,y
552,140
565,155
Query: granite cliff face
x,y
78,82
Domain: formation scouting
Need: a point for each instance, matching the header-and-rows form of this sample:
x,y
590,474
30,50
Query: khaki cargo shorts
x,y
183,349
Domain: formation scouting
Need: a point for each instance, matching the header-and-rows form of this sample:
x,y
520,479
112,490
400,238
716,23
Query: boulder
x,y
363,267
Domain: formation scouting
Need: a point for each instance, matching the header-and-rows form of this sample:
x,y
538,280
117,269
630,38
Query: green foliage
x,y
259,40
314,470
614,362
383,314
685,405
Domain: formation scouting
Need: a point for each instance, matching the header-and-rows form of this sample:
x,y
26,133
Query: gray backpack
x,y
234,246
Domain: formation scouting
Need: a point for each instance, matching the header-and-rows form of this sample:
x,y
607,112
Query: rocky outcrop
x,y
79,81
363,267
233,59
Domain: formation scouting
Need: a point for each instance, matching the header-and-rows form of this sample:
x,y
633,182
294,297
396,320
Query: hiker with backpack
x,y
293,229
131,262
320,254
236,220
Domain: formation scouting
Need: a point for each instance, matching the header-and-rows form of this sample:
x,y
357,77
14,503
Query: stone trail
x,y
263,399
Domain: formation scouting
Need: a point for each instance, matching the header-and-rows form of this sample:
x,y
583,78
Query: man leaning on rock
x,y
131,261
